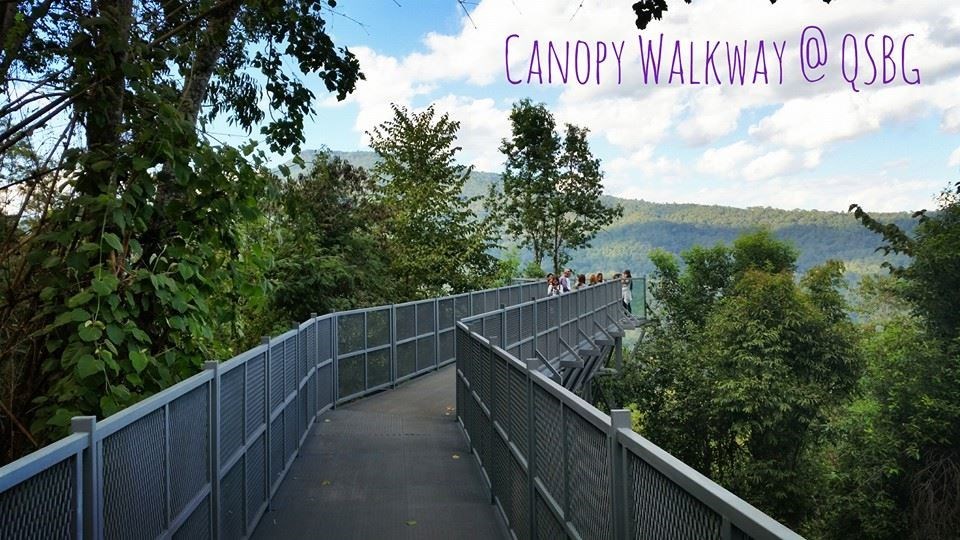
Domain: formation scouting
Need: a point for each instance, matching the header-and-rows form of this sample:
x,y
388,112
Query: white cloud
x,y
726,161
954,159
769,165
951,120
765,133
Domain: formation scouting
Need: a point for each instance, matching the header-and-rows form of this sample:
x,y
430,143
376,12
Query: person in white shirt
x,y
565,285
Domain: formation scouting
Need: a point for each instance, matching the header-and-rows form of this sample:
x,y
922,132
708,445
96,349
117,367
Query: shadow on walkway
x,y
393,465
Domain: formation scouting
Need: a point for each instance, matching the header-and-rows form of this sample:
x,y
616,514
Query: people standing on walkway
x,y
553,286
626,289
581,282
565,284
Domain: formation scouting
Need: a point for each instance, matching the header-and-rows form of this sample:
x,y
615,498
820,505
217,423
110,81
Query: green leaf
x,y
138,359
61,418
76,315
108,405
89,332
141,163
105,284
79,299
88,365
47,294
101,165
116,334
113,241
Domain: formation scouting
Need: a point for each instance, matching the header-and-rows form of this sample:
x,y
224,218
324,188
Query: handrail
x,y
587,474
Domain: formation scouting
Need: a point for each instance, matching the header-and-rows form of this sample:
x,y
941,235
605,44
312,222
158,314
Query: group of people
x,y
557,285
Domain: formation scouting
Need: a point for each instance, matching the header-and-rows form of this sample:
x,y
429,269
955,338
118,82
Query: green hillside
x,y
675,227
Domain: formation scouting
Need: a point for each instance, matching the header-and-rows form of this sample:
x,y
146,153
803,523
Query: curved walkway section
x,y
394,465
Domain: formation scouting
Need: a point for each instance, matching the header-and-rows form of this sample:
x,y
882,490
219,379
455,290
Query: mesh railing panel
x,y
198,524
276,374
425,314
350,333
659,508
256,389
324,340
256,479
378,327
378,368
590,492
190,446
518,409
350,373
461,306
134,487
231,502
501,392
290,439
42,506
548,526
426,356
290,366
406,358
519,501
406,317
231,411
276,451
548,434
325,386
500,471
445,313
445,351
513,326
302,337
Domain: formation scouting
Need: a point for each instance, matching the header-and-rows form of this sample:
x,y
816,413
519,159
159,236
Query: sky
x,y
776,140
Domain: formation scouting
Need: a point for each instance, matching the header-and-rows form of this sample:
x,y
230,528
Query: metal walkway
x,y
394,465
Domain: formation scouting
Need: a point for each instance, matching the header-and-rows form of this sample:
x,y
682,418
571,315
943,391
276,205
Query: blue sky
x,y
796,145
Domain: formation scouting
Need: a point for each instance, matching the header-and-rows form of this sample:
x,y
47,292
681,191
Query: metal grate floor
x,y
393,465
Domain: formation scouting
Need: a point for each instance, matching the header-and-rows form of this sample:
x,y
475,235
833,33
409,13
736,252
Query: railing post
x,y
214,433
393,345
532,365
436,333
267,364
536,338
92,479
503,326
315,379
493,415
619,419
335,361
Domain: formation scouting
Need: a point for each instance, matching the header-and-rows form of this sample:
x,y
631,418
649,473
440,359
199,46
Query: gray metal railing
x,y
203,458
556,466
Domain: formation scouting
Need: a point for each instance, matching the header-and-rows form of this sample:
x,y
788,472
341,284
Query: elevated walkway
x,y
394,465
276,442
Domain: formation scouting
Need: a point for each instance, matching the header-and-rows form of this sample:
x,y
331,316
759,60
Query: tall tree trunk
x,y
103,104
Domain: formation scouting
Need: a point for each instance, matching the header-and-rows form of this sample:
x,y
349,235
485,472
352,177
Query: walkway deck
x,y
393,465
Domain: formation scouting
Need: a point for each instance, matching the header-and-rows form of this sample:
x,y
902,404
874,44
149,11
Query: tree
x,y
330,255
741,366
109,292
551,188
437,244
896,456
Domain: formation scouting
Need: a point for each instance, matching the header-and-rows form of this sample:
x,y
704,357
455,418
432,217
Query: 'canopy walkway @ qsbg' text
x,y
249,445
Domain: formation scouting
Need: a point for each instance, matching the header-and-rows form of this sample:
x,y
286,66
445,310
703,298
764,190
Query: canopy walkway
x,y
276,442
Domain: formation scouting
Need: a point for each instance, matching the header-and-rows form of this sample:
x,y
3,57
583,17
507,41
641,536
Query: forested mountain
x,y
817,235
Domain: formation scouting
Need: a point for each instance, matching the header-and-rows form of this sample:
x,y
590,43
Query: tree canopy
x,y
552,186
